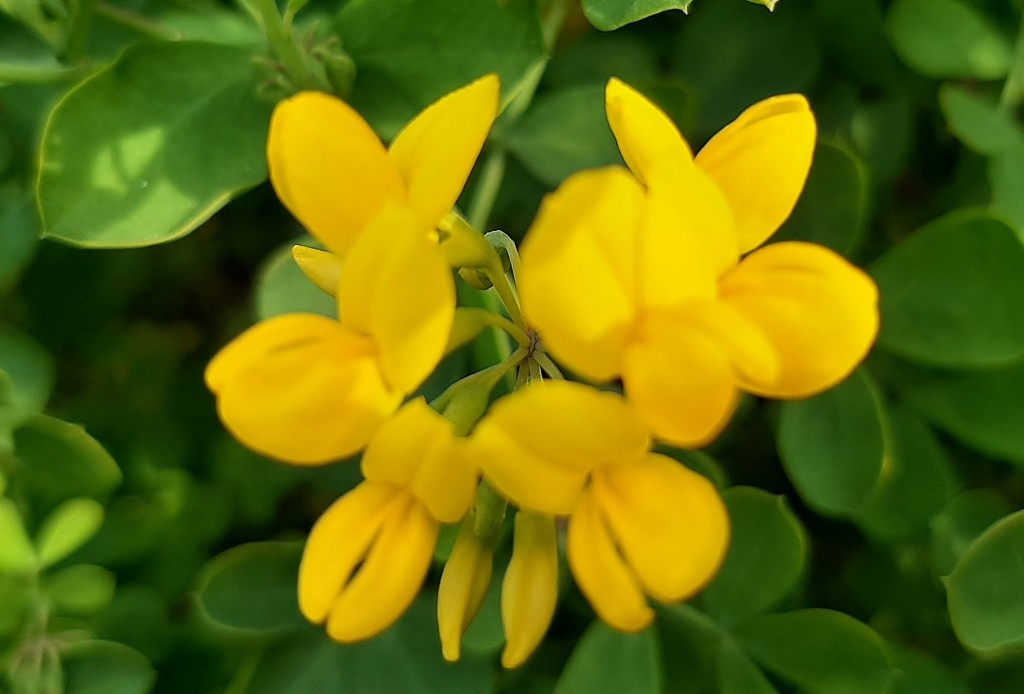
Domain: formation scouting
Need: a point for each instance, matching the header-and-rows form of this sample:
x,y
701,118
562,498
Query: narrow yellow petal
x,y
578,274
648,139
464,583
321,267
604,578
529,592
398,288
338,542
389,578
669,522
301,388
760,161
819,312
437,149
329,168
680,381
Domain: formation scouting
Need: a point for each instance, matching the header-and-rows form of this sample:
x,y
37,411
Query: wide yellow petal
x,y
436,151
464,583
648,139
578,274
529,592
337,544
600,571
390,576
760,161
329,168
301,388
321,267
398,288
669,522
819,312
417,449
680,381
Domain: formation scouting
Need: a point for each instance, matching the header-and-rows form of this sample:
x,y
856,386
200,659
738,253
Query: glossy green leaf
x,y
832,447
983,591
609,661
253,587
106,667
958,525
947,38
612,14
737,673
976,120
819,651
949,293
563,133
81,589
16,552
67,529
281,287
767,541
406,58
149,148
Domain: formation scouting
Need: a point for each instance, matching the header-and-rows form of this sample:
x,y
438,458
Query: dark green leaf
x,y
609,661
612,14
19,229
964,518
148,149
919,673
1006,174
283,288
105,667
737,674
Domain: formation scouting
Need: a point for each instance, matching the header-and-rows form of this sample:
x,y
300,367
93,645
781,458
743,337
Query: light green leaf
x,y
950,293
30,368
984,590
609,661
831,445
106,667
612,14
819,651
947,39
149,148
16,552
768,542
281,287
975,120
67,529
81,589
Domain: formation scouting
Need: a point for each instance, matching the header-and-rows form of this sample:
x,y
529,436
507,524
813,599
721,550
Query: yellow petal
x,y
338,542
647,138
417,449
389,578
669,522
321,267
464,583
302,388
398,288
749,350
529,592
604,578
680,381
329,168
819,312
760,161
538,444
437,149
578,274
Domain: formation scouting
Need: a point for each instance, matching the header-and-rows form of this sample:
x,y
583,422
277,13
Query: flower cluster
x,y
649,281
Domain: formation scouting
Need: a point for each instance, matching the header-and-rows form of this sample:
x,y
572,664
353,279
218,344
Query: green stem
x,y
499,239
545,362
281,38
486,192
507,294
136,22
1013,87
490,512
478,384
496,320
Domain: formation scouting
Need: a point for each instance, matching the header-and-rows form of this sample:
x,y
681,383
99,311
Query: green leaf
x,y
984,590
30,368
82,589
16,552
975,120
67,529
949,293
737,673
406,57
819,651
146,150
1006,174
961,522
19,229
607,15
920,673
947,39
831,445
281,287
105,667
253,587
58,461
564,132
606,660
768,542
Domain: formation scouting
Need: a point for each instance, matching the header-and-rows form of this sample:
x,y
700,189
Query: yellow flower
x,y
307,389
639,523
529,591
638,275
368,554
333,173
